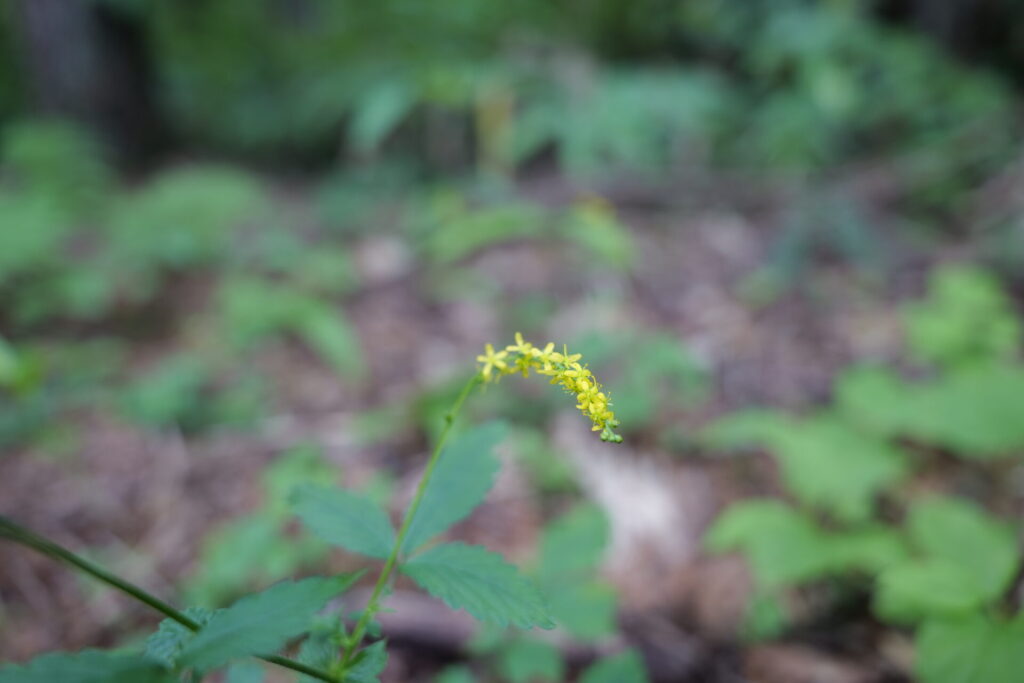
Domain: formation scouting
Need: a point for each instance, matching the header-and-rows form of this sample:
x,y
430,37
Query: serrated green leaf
x,y
368,664
481,582
627,667
88,666
261,623
974,649
166,643
961,534
322,646
345,519
574,543
464,474
526,661
914,590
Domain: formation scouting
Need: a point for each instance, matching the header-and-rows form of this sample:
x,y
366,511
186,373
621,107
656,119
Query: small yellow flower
x,y
565,356
521,346
564,368
492,360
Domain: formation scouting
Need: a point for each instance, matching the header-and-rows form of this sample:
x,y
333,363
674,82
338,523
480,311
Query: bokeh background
x,y
250,243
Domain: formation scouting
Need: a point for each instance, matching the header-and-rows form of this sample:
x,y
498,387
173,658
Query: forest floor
x,y
148,500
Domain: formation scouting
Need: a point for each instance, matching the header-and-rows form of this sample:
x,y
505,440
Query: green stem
x,y
13,531
373,606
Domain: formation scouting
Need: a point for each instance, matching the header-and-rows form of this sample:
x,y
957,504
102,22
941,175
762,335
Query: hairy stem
x,y
373,606
13,531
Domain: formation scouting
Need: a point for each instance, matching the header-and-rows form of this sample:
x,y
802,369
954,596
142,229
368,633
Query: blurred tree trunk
x,y
59,45
87,62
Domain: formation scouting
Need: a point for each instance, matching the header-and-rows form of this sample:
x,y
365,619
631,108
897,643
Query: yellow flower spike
x,y
564,368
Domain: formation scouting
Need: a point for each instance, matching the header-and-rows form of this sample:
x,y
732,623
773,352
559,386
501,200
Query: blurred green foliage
x,y
84,258
793,85
944,564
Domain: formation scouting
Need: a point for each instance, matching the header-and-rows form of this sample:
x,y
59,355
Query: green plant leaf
x,y
244,672
765,617
824,462
481,582
527,661
261,623
974,649
973,411
88,666
914,590
782,545
330,334
464,474
455,674
303,464
378,112
586,609
962,535
574,543
322,647
745,429
166,643
345,519
827,464
184,217
868,548
627,667
965,318
368,664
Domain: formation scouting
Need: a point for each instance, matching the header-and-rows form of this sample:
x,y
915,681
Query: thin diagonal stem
x,y
373,606
13,531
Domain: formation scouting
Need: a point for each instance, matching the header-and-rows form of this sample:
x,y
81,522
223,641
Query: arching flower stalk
x,y
563,368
